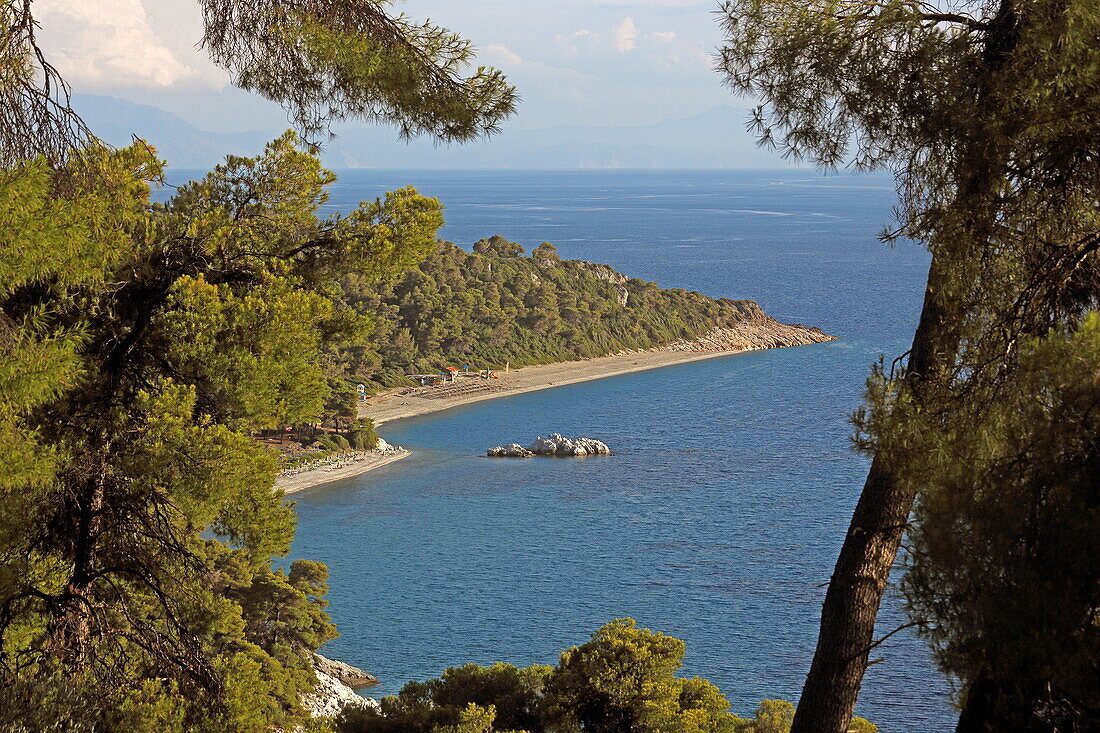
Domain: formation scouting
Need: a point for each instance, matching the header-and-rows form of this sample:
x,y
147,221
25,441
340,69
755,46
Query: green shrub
x,y
329,443
622,680
363,436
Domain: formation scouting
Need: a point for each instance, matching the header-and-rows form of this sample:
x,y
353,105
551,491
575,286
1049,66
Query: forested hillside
x,y
496,305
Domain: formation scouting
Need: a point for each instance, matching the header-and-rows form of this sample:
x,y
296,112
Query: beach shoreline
x,y
361,463
391,405
406,402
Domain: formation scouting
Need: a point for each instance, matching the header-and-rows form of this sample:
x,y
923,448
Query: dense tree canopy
x,y
140,345
495,307
1002,565
326,60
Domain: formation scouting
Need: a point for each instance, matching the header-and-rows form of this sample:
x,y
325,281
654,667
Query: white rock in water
x,y
591,446
546,446
512,450
556,444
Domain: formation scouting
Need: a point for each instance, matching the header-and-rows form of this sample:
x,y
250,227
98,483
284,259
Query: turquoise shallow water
x,y
721,515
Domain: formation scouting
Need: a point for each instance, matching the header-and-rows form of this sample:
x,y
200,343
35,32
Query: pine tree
x,y
141,345
1002,561
989,118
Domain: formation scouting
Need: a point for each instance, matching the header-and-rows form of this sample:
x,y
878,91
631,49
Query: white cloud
x,y
624,36
107,44
510,62
662,36
577,40
498,54
582,33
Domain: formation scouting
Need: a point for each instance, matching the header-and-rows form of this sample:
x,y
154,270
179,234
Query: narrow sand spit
x,y
367,461
403,402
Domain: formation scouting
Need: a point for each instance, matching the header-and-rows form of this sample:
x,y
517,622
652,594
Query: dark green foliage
x,y
423,707
489,309
497,245
622,681
1003,564
328,443
546,252
327,60
987,113
280,610
363,436
342,401
322,60
140,345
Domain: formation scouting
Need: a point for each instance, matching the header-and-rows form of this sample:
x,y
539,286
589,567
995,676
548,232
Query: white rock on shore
x,y
554,444
351,676
333,693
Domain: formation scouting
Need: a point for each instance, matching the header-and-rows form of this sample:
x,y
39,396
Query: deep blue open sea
x,y
720,516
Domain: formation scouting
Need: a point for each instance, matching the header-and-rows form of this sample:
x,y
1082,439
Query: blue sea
x,y
721,515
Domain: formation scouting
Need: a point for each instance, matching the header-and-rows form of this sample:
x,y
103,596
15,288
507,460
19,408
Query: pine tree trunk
x,y
871,544
70,636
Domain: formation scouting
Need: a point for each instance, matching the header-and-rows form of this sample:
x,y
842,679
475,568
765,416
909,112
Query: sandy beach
x,y
399,403
363,462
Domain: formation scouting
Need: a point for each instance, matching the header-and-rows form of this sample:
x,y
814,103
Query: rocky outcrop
x,y
334,690
603,272
351,676
385,449
611,275
331,696
512,450
756,330
554,444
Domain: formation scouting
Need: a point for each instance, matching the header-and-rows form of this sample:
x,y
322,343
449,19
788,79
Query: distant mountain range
x,y
713,139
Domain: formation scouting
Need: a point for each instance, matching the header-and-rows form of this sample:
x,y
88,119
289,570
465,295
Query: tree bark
x,y
977,707
70,635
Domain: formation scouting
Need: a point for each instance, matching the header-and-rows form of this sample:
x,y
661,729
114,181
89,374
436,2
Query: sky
x,y
575,62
